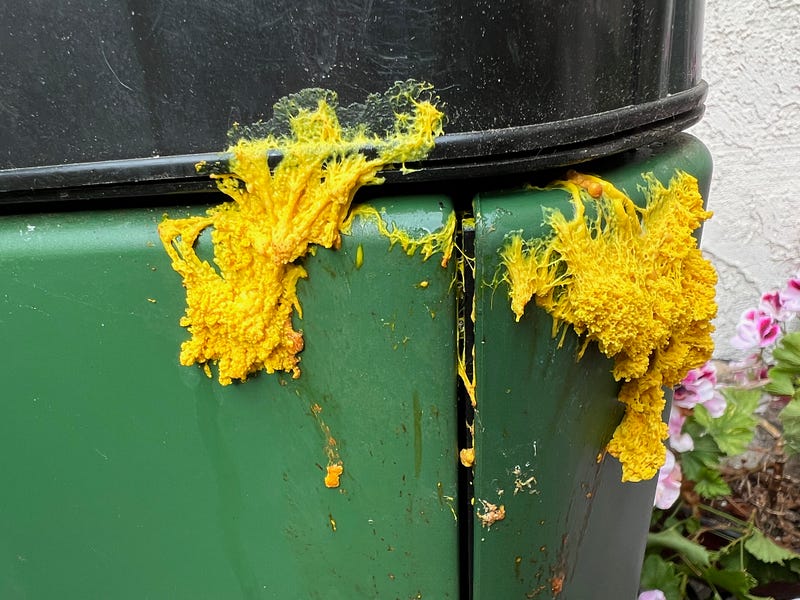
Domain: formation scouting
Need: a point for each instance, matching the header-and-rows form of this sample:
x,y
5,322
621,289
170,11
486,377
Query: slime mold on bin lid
x,y
239,312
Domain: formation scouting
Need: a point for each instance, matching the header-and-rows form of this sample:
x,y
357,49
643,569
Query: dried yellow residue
x,y
633,281
239,310
467,456
359,257
332,475
492,513
335,468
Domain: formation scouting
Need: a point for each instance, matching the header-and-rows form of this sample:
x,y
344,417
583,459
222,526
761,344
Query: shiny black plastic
x,y
88,81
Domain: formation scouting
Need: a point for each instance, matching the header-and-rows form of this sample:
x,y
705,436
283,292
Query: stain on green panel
x,y
417,435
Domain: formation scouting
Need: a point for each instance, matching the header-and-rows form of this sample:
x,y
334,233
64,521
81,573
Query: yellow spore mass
x,y
633,281
332,475
239,310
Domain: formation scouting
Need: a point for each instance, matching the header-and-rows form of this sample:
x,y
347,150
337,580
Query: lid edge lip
x,y
556,157
576,129
511,166
494,146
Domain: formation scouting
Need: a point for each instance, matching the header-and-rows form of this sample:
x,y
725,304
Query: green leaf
x,y
791,341
692,525
673,540
672,519
794,566
790,419
781,381
747,398
786,358
711,485
701,466
784,377
788,351
765,550
739,583
693,428
660,574
733,430
763,572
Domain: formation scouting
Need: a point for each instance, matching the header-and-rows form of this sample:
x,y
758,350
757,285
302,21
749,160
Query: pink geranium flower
x,y
700,387
652,595
772,304
750,372
790,295
668,487
716,405
756,329
678,440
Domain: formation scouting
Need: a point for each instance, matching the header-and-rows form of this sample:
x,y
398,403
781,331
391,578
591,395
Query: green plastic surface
x,y
126,475
571,530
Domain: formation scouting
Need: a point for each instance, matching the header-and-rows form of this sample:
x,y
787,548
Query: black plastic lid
x,y
105,93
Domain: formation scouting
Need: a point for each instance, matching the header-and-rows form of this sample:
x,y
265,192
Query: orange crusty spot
x,y
491,513
334,472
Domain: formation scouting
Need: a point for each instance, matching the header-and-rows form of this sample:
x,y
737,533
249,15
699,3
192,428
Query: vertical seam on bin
x,y
465,241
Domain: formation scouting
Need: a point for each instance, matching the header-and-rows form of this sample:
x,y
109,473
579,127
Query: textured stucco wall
x,y
751,60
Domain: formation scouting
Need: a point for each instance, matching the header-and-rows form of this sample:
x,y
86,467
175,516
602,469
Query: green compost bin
x,y
126,475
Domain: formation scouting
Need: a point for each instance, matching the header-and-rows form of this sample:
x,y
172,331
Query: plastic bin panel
x,y
126,475
573,530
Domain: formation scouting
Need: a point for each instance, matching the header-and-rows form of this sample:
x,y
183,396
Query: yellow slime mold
x,y
633,281
239,310
440,241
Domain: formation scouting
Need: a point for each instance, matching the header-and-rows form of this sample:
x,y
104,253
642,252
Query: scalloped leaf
x,y
659,574
765,550
732,431
739,583
701,466
790,419
781,381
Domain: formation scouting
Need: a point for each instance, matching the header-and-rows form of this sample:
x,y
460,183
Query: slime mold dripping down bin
x,y
131,475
